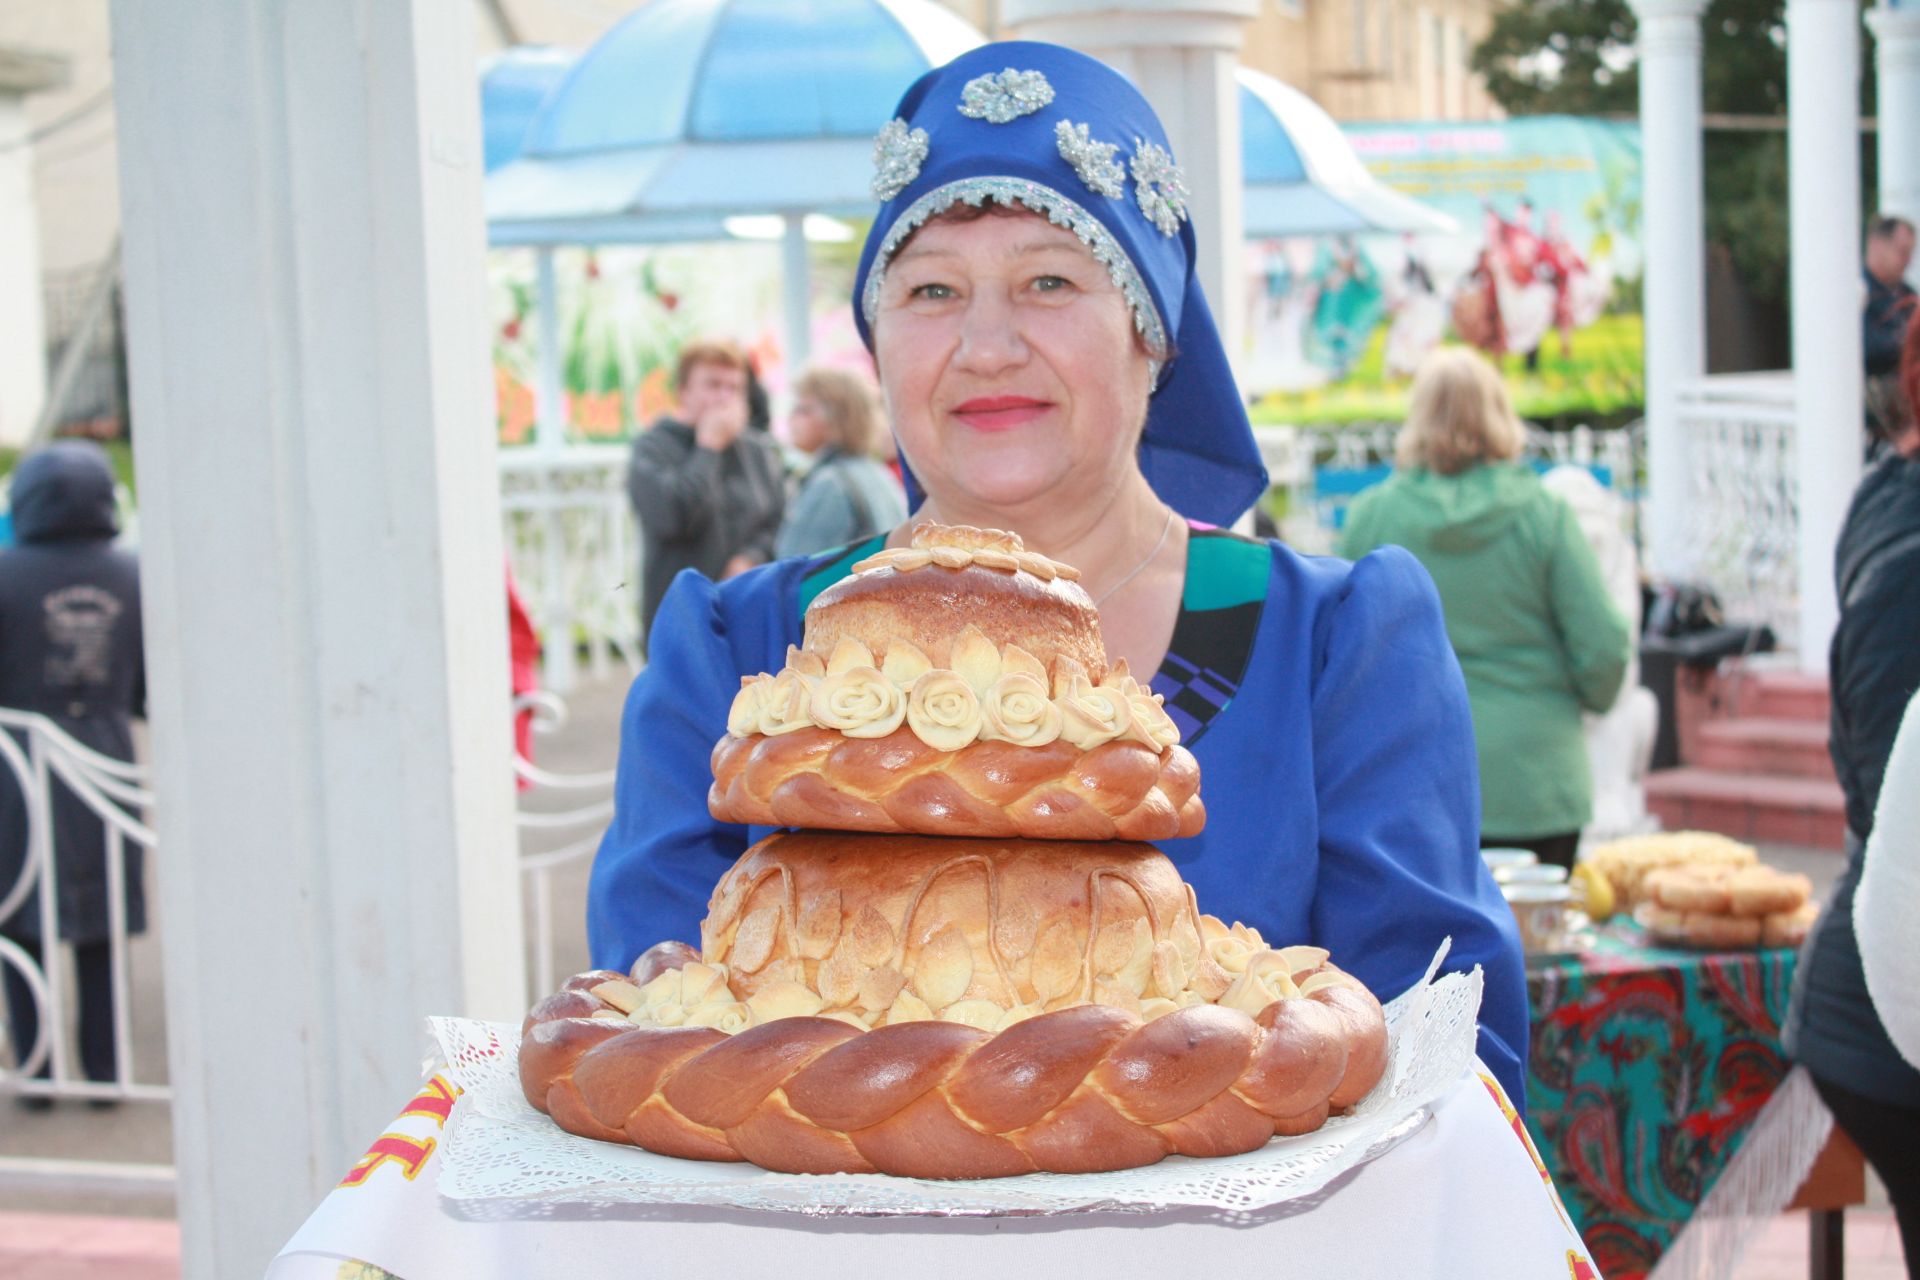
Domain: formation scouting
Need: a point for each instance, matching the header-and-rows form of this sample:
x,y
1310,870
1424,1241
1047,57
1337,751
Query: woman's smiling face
x,y
1009,362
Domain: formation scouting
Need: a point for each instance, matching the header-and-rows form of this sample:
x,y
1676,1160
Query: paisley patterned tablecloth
x,y
1647,1067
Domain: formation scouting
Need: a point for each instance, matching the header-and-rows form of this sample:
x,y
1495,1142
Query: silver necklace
x,y
1165,529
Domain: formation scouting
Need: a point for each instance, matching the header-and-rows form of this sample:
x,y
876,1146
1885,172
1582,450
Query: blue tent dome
x,y
746,70
513,84
1302,176
690,111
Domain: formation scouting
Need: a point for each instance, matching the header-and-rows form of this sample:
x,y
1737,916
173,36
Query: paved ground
x,y
131,1237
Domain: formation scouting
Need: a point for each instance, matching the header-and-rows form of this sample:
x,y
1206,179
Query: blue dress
x,y
1321,699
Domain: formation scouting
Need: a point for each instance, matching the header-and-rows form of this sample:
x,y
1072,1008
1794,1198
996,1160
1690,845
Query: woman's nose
x,y
990,340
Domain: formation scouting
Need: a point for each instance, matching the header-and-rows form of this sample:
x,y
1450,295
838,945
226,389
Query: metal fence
x,y
1321,469
1743,515
559,816
95,403
574,548
38,752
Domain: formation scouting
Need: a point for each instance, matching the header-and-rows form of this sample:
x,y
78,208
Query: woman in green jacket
x,y
1527,609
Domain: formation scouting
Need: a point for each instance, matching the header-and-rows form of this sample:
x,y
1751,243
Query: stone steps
x,y
1754,761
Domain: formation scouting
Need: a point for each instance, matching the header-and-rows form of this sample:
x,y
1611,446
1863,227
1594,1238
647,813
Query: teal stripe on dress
x,y
1225,570
1214,635
835,569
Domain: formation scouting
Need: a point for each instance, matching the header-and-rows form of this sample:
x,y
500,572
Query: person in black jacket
x,y
70,650
1874,670
1883,320
708,492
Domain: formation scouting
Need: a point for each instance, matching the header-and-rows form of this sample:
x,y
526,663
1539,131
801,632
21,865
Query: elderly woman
x,y
1527,609
848,494
1050,367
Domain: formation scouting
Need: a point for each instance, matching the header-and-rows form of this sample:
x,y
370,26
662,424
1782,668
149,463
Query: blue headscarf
x,y
989,125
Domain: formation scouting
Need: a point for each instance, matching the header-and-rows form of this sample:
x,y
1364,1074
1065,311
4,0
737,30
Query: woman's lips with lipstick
x,y
1000,413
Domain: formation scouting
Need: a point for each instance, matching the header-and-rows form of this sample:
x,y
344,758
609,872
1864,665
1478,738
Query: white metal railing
x,y
1366,444
559,819
575,551
36,751
1358,446
557,828
1742,521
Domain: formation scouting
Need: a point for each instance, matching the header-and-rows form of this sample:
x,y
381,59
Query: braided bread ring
x,y
1081,1090
818,778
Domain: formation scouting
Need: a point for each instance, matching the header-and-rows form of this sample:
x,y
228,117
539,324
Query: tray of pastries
x,y
1725,908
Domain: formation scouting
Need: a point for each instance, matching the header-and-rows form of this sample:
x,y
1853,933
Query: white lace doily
x,y
498,1147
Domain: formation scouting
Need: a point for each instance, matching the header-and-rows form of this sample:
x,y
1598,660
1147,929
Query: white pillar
x,y
1896,34
1182,54
797,290
549,407
1675,261
1823,209
557,664
23,336
325,613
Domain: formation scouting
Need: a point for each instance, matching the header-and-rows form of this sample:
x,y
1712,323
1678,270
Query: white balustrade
x,y
574,548
560,817
36,751
1742,515
555,830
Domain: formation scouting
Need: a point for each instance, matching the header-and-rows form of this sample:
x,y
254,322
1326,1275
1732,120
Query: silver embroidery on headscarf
x,y
1057,209
897,155
999,97
1159,186
1093,161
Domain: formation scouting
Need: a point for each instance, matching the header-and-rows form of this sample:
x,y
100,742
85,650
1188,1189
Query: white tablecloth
x,y
1464,1197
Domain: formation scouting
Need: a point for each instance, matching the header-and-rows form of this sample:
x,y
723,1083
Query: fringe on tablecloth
x,y
1763,1176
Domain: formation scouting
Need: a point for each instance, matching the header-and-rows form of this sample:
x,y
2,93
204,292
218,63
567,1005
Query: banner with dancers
x,y
1542,274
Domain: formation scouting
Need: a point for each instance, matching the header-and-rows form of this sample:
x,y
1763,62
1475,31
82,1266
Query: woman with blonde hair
x,y
1527,609
849,494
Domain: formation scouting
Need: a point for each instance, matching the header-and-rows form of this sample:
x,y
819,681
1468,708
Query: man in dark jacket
x,y
709,494
70,650
1889,305
1833,1028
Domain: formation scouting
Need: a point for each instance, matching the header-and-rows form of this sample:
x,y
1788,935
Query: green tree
x,y
1576,57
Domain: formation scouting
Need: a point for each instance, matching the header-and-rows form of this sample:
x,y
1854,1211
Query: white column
x,y
23,336
325,612
1896,34
549,407
1675,263
1823,208
796,282
1182,54
557,664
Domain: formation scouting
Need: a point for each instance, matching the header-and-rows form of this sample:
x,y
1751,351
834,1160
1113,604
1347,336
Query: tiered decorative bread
x,y
941,1004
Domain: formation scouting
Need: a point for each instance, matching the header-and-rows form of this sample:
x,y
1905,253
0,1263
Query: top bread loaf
x,y
958,686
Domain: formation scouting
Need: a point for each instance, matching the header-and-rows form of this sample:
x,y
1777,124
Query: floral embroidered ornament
x,y
1093,161
898,152
1004,96
1159,186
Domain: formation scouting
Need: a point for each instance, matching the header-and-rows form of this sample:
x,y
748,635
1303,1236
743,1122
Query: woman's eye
x,y
1051,284
930,291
